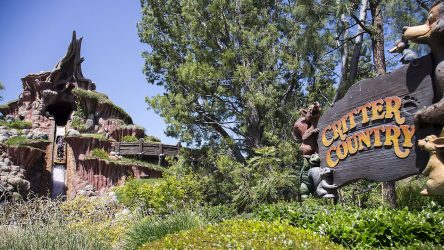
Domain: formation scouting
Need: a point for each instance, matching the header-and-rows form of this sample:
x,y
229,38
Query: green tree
x,y
2,87
236,72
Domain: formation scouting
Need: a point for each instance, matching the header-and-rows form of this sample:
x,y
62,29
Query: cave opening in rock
x,y
61,112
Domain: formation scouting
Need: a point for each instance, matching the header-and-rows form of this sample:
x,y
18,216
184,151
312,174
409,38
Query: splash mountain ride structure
x,y
69,120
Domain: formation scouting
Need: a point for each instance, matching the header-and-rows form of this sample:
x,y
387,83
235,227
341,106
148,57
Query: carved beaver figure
x,y
305,129
435,167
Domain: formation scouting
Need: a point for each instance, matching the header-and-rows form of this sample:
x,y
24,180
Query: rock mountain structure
x,y
61,137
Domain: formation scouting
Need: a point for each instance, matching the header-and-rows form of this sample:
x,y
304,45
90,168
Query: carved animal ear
x,y
303,112
432,137
439,26
439,143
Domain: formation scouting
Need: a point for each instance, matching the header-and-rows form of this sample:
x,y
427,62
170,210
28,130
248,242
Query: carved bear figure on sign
x,y
435,167
432,34
305,129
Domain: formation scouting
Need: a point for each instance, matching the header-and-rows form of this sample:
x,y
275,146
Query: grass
x,y
100,99
132,162
40,224
16,124
101,137
21,140
153,228
100,153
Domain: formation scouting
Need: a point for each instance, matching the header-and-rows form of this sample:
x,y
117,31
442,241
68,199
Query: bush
x,y
407,193
354,227
150,138
16,124
129,138
244,234
153,228
100,153
216,214
162,196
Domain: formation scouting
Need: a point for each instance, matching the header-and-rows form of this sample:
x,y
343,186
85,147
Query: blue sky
x,y
34,35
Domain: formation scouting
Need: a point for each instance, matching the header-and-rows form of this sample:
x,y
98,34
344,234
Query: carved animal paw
x,y
328,196
410,104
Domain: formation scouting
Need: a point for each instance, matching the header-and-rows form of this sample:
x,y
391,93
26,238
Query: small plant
x,y
100,153
153,228
129,138
244,234
150,138
16,140
16,124
100,137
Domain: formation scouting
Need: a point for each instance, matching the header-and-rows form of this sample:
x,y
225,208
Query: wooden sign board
x,y
370,133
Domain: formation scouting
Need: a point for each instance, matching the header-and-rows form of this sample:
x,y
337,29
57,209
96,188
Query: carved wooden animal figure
x,y
435,167
320,178
305,129
432,34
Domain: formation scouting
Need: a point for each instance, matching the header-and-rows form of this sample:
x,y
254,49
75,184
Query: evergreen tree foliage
x,y
236,72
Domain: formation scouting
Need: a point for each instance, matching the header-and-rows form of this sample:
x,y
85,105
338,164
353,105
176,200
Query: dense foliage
x,y
234,71
355,227
162,196
100,153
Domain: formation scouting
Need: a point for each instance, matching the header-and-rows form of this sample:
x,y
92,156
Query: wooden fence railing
x,y
145,148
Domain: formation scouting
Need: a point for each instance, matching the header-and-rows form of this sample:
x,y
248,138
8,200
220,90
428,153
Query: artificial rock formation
x,y
59,105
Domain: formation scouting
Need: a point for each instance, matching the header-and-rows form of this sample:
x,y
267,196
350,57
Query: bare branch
x,y
361,24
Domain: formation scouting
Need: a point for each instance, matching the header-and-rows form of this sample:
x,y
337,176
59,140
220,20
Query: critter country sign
x,y
370,132
342,144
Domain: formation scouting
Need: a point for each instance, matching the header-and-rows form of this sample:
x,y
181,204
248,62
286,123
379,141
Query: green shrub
x,y
355,227
100,153
216,214
153,228
16,124
129,138
162,196
16,140
407,193
150,138
244,234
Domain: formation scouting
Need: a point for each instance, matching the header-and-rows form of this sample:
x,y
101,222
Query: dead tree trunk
x,y
354,64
